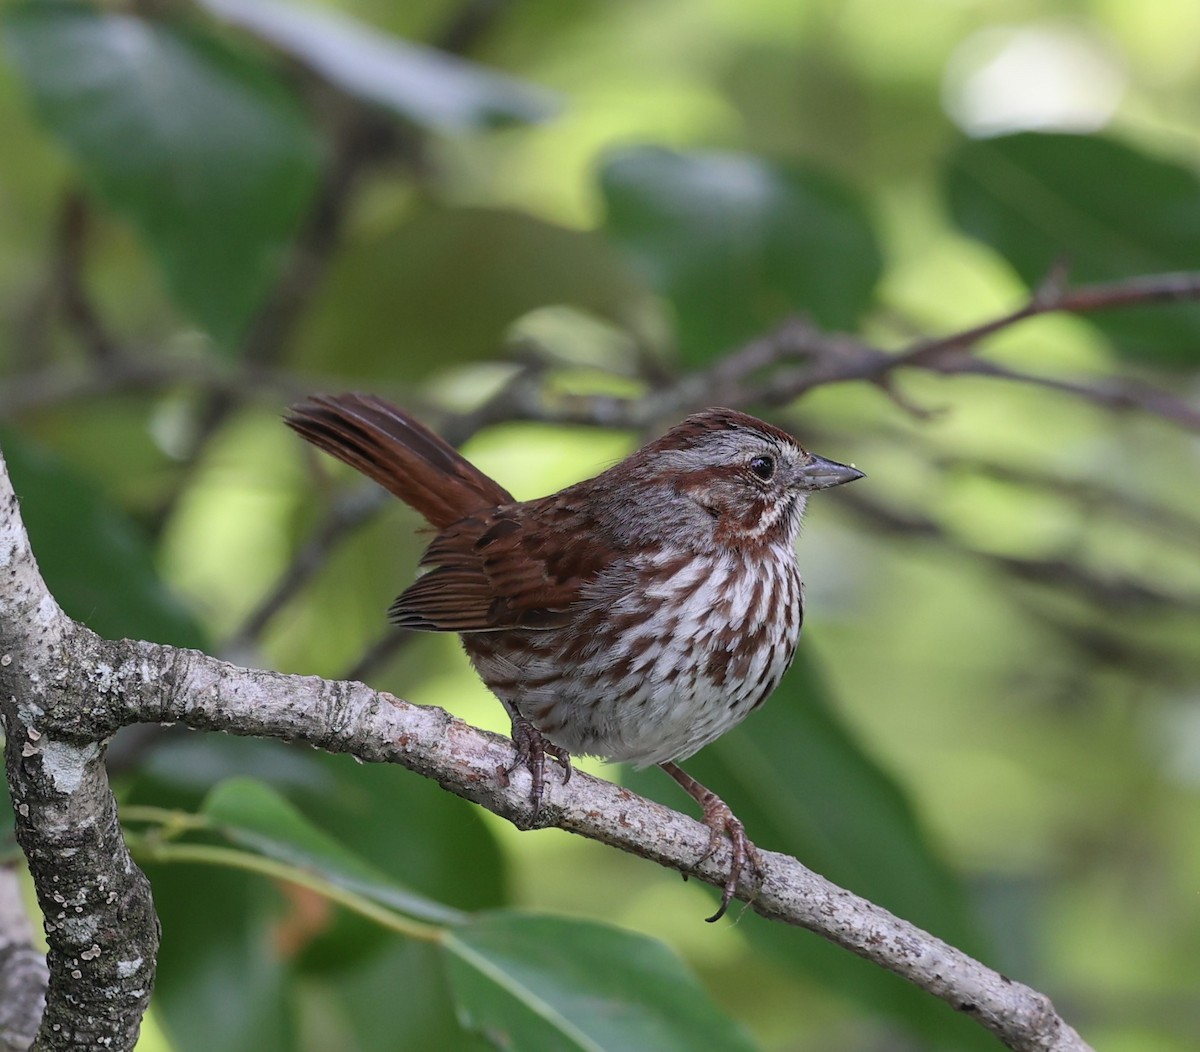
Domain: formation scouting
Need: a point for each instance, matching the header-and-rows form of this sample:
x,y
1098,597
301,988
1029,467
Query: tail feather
x,y
398,452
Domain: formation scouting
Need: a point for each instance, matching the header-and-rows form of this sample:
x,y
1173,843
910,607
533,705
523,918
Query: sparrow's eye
x,y
763,467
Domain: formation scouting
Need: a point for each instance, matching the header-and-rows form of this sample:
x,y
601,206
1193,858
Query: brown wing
x,y
519,566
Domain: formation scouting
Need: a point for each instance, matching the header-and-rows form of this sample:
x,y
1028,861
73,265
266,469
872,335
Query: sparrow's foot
x,y
722,823
532,750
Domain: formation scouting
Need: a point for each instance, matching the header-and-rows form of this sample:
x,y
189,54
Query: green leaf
x,y
253,815
200,147
530,983
442,847
801,784
457,278
96,562
428,87
736,243
1105,209
367,995
221,981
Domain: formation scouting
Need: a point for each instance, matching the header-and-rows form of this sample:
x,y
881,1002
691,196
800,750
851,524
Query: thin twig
x,y
69,279
1061,573
1055,297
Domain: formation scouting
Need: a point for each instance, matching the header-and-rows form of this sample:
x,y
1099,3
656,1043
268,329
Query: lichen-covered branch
x,y
99,918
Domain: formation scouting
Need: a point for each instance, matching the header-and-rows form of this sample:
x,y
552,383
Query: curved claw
x,y
531,752
722,823
720,820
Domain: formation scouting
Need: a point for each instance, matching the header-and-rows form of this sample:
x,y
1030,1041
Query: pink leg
x,y
721,821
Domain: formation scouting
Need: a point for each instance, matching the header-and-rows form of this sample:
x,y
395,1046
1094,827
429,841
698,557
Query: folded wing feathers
x,y
485,575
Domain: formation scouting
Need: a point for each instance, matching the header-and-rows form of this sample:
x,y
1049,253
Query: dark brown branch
x,y
1055,297
826,358
771,370
69,280
796,357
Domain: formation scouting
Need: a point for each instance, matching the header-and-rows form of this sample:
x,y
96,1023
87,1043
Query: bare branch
x,y
796,357
770,370
1055,297
828,358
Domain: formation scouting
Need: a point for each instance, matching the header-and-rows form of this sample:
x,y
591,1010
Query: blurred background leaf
x,y
423,85
200,146
252,815
1102,209
221,980
98,564
737,243
441,286
222,975
548,983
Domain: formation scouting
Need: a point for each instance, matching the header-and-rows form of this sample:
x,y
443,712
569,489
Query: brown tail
x,y
398,452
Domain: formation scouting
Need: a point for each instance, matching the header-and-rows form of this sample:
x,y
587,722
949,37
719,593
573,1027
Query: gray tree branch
x,y
23,974
98,915
65,692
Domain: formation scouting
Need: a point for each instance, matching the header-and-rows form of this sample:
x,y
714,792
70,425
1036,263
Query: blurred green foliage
x,y
206,152
994,729
735,242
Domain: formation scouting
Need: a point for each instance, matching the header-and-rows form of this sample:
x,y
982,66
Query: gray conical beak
x,y
818,473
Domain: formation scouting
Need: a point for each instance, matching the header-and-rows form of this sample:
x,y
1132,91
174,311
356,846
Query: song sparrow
x,y
637,615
